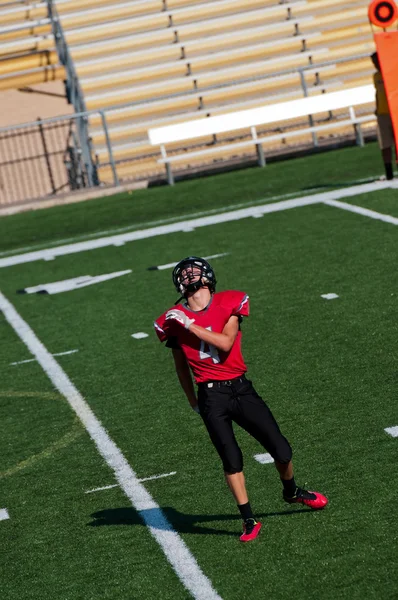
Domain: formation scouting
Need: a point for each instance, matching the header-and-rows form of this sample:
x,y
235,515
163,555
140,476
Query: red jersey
x,y
207,362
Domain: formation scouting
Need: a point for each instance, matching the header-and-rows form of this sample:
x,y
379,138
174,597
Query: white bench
x,y
252,118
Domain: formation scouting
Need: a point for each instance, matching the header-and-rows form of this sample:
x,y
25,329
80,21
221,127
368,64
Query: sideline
x,y
365,212
174,548
191,224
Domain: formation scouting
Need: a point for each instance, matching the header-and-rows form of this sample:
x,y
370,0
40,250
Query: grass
x,y
298,176
386,203
326,368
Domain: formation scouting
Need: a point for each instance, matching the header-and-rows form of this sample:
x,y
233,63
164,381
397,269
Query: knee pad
x,y
284,453
232,462
232,471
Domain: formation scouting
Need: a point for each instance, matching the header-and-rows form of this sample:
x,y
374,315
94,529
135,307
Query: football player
x,y
204,333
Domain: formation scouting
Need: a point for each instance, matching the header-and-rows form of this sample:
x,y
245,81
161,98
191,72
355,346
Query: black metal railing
x,y
41,159
75,95
56,155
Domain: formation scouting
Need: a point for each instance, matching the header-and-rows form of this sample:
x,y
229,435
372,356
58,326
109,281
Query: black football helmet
x,y
207,276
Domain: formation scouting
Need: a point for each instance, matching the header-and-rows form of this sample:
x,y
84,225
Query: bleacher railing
x,y
75,96
70,154
41,159
45,158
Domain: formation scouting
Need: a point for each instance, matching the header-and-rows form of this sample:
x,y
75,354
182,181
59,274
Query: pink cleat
x,y
251,529
314,500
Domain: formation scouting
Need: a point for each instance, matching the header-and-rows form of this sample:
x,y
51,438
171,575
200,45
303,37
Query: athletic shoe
x,y
314,500
251,529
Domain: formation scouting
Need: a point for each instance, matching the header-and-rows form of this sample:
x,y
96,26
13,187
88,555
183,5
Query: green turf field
x,y
328,369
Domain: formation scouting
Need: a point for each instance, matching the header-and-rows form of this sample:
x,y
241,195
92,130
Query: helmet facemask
x,y
192,273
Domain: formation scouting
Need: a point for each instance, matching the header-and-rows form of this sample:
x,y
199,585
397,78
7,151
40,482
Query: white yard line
x,y
22,362
171,219
174,548
158,476
75,283
109,487
180,226
203,213
101,489
194,223
366,212
170,265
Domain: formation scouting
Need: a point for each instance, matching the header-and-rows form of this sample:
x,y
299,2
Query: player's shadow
x,y
161,519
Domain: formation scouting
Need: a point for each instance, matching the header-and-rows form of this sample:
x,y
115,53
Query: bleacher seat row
x,y
174,59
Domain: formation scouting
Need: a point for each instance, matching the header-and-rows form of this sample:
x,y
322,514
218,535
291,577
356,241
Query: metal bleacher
x,y
27,48
154,62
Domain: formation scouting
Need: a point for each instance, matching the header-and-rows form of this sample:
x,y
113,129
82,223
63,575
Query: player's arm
x,y
184,376
222,341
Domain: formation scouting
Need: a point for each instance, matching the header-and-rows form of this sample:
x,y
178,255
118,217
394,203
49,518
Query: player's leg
x,y
237,485
214,409
385,135
387,159
253,414
285,470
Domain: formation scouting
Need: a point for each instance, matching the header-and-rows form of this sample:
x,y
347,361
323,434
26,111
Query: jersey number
x,y
209,351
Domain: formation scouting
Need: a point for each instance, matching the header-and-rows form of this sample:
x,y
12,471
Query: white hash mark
x,y
4,514
393,431
264,459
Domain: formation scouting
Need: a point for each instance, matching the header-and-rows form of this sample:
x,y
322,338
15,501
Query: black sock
x,y
389,171
246,511
289,486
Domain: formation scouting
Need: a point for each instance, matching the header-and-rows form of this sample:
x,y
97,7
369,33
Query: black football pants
x,y
236,400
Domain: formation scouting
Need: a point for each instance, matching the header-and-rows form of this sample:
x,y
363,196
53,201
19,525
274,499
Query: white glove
x,y
181,317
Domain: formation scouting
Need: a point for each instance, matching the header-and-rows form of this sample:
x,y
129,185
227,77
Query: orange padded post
x,y
387,50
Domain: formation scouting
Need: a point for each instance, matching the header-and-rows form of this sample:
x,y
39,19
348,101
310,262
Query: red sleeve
x,y
238,303
160,332
164,329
